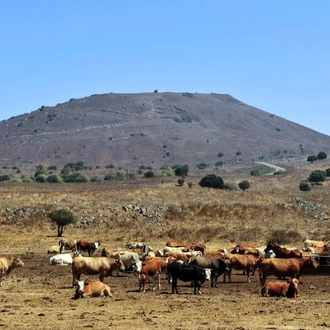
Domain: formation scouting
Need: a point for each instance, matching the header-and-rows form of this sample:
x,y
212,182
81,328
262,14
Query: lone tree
x,y
317,176
312,158
212,181
244,185
321,155
62,217
181,170
304,186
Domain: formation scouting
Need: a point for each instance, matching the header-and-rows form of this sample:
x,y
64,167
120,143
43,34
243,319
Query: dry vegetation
x,y
39,296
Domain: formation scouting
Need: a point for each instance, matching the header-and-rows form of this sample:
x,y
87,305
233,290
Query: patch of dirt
x,y
40,296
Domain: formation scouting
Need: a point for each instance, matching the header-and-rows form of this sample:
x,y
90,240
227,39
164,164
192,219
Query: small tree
x,y
149,174
312,158
321,155
181,182
62,217
181,170
304,186
244,185
327,171
317,176
212,181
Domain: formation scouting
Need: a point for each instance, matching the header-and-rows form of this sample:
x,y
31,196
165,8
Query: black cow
x,y
91,247
217,266
187,273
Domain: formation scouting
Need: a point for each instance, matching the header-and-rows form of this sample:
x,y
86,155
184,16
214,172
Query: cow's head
x,y
95,245
18,262
137,266
80,289
121,266
207,273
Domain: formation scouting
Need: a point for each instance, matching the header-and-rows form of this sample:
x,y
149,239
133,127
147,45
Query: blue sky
x,y
273,55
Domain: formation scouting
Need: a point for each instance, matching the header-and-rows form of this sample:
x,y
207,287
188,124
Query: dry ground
x,y
40,296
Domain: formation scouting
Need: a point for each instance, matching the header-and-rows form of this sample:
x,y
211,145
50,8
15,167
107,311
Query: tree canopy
x,y
62,217
212,181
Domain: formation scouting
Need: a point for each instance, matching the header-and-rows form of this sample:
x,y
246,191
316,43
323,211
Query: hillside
x,y
153,129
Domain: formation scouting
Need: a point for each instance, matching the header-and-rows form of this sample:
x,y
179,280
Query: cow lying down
x,y
287,289
92,289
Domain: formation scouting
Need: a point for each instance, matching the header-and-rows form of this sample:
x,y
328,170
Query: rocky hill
x,y
153,129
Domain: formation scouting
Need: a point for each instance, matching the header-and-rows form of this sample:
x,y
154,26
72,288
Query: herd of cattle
x,y
181,261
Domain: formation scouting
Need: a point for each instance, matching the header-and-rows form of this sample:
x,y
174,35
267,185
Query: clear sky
x,y
273,55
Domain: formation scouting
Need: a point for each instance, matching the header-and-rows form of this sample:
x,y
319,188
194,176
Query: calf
x,y
188,273
149,268
287,289
92,289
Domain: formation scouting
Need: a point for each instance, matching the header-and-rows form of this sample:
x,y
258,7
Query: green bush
x,y
304,186
54,179
317,176
181,170
255,173
108,177
181,182
62,217
41,178
40,172
76,177
27,180
327,171
230,186
4,177
244,185
321,155
149,174
212,181
202,166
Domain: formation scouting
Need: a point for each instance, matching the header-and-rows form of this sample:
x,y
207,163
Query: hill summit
x,y
153,129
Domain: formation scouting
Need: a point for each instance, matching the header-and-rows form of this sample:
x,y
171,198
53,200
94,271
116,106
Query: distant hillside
x,y
153,129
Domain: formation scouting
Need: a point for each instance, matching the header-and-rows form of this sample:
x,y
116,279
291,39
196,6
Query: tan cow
x,y
65,244
54,249
287,289
281,267
7,264
103,266
92,289
312,243
247,262
178,244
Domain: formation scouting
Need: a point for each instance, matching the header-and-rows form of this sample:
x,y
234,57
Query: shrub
x,y
119,176
76,177
149,174
327,171
230,186
317,176
40,172
202,166
181,182
220,154
283,236
108,177
304,186
212,181
312,158
51,168
4,177
321,155
41,178
54,179
244,185
255,173
27,180
181,170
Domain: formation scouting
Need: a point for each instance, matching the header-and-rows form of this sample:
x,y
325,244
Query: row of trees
x,y
321,155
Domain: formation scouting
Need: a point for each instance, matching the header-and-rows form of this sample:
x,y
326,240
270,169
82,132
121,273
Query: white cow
x,y
63,258
174,249
128,258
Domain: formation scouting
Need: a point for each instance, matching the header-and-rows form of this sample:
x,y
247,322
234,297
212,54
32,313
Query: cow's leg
x,y
175,285
158,276
102,276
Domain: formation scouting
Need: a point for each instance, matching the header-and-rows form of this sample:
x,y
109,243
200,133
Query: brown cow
x,y
311,243
242,246
178,244
198,247
92,289
281,267
90,247
7,264
247,262
287,289
150,268
67,245
103,266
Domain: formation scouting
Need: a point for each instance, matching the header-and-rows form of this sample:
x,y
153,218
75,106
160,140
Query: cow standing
x,y
7,264
102,266
90,247
188,273
217,266
282,267
65,244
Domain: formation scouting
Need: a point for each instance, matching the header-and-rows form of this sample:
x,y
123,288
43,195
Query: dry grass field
x,y
40,295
